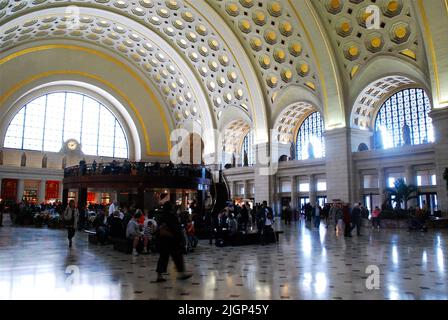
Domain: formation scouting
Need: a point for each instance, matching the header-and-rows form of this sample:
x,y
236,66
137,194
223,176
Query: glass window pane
x,y
121,150
73,117
34,124
90,126
54,122
406,111
310,138
14,134
48,121
106,133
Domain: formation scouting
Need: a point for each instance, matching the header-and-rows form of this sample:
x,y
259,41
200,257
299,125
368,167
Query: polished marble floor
x,y
305,264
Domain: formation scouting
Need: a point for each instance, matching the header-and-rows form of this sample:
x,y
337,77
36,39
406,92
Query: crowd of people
x,y
134,168
141,228
343,217
236,220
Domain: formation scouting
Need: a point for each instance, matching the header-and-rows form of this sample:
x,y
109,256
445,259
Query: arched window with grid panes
x,y
310,140
47,122
408,107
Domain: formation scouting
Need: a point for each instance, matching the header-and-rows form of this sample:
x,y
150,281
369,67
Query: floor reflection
x,y
306,264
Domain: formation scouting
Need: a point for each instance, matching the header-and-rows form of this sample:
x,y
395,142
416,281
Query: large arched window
x,y
45,123
247,149
310,140
410,107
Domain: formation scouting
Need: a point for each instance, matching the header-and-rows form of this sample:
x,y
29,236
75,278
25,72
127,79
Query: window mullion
x,y
63,119
82,119
23,127
98,132
115,130
45,120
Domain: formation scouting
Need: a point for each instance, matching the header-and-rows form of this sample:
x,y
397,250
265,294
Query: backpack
x,y
269,215
365,213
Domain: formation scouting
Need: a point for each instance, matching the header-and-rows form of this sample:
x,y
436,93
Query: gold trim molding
x,y
110,85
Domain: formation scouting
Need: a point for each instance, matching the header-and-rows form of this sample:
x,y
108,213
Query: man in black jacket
x,y
356,218
170,243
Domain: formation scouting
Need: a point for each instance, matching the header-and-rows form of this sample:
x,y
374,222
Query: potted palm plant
x,y
403,192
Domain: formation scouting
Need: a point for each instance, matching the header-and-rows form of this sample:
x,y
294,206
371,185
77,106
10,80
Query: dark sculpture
x,y
23,160
246,160
293,151
406,131
44,161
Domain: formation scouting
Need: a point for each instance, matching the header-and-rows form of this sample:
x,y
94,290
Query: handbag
x,y
164,232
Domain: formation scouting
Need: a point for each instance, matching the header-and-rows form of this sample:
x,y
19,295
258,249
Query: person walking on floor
x,y
287,213
170,243
317,213
347,221
71,216
356,218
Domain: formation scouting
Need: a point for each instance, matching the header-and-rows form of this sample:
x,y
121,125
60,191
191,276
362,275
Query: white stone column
x,y
410,179
232,189
409,175
294,204
338,165
42,191
61,191
360,186
246,189
313,187
382,184
440,120
20,189
264,174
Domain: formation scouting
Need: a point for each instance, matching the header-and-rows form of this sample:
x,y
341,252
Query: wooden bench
x,y
122,245
436,222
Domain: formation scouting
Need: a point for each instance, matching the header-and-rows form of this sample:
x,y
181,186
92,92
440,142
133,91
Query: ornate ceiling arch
x,y
290,119
357,37
371,90
234,133
176,83
181,27
275,42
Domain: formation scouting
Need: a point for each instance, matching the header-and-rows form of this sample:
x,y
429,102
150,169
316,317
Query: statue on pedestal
x,y
406,131
233,160
378,140
246,160
310,150
293,150
23,160
64,162
44,161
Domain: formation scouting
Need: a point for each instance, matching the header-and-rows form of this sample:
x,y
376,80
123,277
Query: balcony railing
x,y
128,168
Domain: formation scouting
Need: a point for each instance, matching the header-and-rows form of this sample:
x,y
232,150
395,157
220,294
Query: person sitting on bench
x,y
133,232
116,226
101,227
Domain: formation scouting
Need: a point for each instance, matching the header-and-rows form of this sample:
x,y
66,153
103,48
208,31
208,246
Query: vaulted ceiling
x,y
207,57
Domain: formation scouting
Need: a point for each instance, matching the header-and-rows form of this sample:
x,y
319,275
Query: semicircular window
x,y
47,122
404,120
310,139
